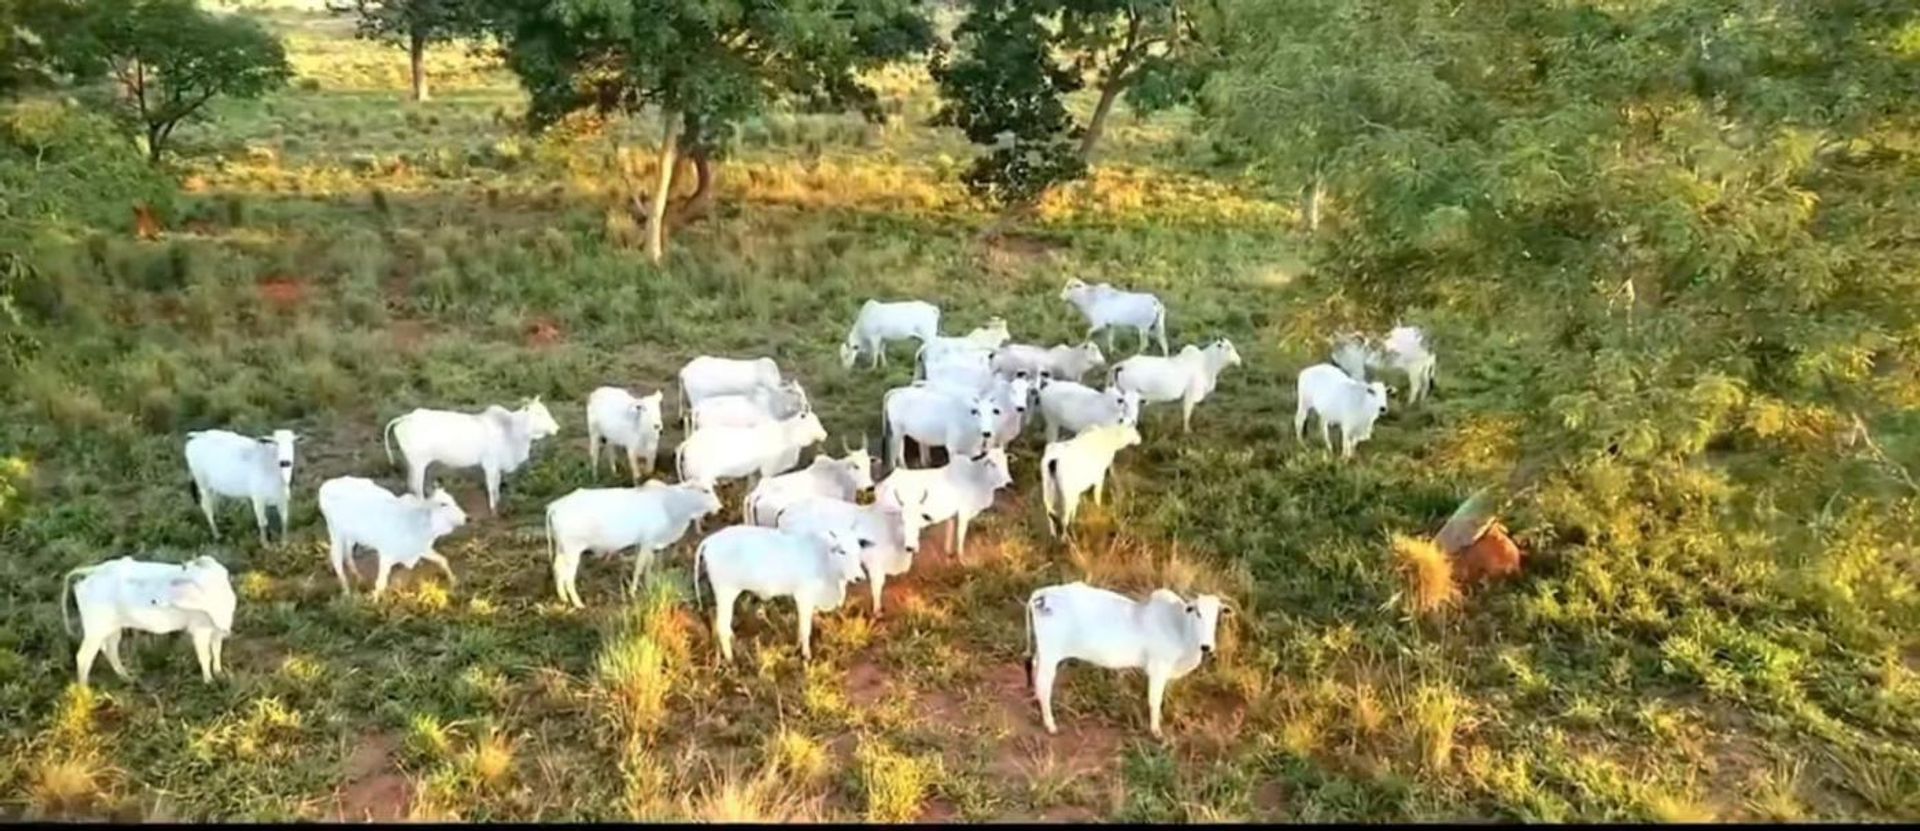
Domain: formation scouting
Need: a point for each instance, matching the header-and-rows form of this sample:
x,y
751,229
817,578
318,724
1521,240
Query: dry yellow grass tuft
x,y
895,784
1428,574
799,756
735,797
67,784
490,760
1437,713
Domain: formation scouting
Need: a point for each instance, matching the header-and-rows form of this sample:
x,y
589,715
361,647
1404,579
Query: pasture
x,y
337,257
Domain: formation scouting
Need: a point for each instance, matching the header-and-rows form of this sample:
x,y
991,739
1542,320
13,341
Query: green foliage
x,y
413,24
65,166
168,58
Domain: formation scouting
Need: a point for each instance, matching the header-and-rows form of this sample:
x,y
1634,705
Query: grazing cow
x,y
891,553
1106,307
714,453
621,419
1325,391
230,464
1163,635
1406,350
880,322
611,519
842,478
401,530
1076,407
706,376
961,490
935,416
1069,363
752,409
496,440
1068,468
1188,377
812,569
160,598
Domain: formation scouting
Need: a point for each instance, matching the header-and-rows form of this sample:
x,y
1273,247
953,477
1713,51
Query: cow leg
x,y
340,554
380,579
876,581
1300,422
1186,414
806,629
493,489
921,447
1047,501
1100,489
219,644
1326,438
960,532
112,647
435,558
633,463
593,449
260,518
417,478
1069,508
1109,339
203,650
207,501
565,567
642,561
1053,431
723,621
1044,668
89,650
1156,690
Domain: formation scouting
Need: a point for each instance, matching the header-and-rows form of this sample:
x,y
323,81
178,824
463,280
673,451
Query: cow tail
x,y
386,436
66,591
1160,326
553,549
1049,479
699,553
1028,642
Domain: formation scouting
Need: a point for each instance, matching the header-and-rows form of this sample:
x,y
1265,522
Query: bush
x,y
64,165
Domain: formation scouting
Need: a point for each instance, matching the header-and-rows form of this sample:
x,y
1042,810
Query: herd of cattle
x,y
803,532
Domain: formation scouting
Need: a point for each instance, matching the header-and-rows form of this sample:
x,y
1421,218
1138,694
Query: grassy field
x,y
339,257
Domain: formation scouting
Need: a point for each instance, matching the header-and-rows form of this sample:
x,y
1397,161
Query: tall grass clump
x,y
894,785
633,676
1428,576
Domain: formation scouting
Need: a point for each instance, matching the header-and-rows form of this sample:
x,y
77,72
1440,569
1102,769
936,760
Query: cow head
x,y
540,423
1203,618
447,514
1074,288
282,442
844,551
849,353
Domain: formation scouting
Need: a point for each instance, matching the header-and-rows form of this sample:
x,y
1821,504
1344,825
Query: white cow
x,y
611,519
751,409
1353,355
843,478
1106,307
1406,350
1163,635
895,538
160,598
1325,391
936,416
981,341
496,440
229,464
623,420
1188,377
812,569
1066,405
1068,468
1070,363
401,529
706,376
880,322
960,490
714,453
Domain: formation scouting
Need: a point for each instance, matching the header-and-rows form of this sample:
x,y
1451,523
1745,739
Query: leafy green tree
x,y
25,57
703,64
1017,60
415,23
168,58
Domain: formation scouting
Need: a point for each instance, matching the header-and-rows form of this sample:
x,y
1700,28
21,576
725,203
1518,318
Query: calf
x,y
880,322
401,530
812,569
608,520
619,418
160,598
935,416
1070,363
982,340
229,464
1188,377
891,553
1068,468
762,405
1106,307
960,490
496,440
1163,635
1325,391
1076,407
714,453
706,376
842,478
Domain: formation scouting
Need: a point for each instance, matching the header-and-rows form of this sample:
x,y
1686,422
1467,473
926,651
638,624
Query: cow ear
x,y
185,593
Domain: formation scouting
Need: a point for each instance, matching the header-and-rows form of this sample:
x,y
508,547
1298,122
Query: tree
x,y
1004,88
168,58
703,64
415,23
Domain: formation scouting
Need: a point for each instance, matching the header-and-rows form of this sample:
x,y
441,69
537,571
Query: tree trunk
x,y
701,201
1109,92
156,139
657,218
417,57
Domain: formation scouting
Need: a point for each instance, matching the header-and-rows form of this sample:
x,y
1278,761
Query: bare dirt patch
x,y
1081,748
866,684
375,790
282,293
543,332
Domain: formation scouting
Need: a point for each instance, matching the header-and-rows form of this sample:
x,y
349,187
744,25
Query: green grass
x,y
409,254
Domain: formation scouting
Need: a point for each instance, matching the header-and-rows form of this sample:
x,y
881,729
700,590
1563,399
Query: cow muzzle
x,y
1205,650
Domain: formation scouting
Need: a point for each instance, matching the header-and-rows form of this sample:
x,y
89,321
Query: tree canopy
x,y
704,64
415,24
